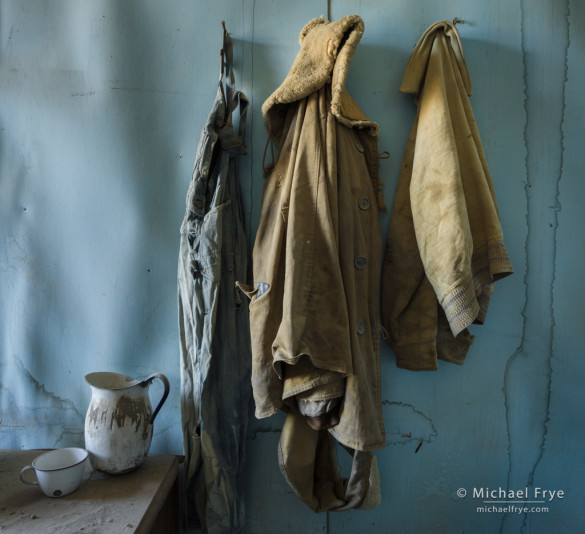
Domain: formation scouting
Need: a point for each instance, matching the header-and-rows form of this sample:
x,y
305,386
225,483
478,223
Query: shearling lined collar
x,y
325,55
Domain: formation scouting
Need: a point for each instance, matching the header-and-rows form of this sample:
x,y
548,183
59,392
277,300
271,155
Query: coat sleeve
x,y
454,207
437,193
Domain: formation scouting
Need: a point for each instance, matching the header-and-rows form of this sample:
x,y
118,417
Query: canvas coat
x,y
445,245
314,312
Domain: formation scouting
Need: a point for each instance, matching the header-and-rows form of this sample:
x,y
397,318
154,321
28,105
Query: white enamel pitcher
x,y
119,420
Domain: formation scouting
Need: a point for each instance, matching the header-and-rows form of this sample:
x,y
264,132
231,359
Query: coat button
x,y
359,146
364,203
360,262
361,327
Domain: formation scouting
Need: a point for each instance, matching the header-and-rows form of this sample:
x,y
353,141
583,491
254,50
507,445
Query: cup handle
x,y
167,387
31,482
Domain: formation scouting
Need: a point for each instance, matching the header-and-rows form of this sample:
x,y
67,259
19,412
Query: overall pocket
x,y
206,238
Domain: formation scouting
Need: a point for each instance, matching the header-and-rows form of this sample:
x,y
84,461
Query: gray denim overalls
x,y
213,319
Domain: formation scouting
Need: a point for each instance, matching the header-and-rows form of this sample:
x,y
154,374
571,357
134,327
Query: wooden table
x,y
143,501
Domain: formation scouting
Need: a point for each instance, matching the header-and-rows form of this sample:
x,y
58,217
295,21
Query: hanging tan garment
x,y
314,311
445,247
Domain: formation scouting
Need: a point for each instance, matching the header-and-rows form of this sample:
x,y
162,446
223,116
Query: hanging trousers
x,y
213,319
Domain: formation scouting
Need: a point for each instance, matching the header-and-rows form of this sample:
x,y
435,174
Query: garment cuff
x,y
416,356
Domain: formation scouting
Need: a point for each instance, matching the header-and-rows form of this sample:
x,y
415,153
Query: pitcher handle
x,y
166,385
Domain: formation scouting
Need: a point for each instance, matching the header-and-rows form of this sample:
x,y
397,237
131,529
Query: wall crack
x,y
536,346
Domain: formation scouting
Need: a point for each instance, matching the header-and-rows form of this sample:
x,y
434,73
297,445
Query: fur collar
x,y
325,55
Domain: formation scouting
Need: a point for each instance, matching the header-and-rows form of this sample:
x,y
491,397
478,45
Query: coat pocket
x,y
248,290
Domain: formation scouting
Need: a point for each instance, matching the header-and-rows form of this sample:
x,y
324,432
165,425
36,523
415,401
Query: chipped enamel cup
x,y
58,472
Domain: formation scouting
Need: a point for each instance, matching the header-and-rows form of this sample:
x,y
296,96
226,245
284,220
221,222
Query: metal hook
x,y
222,65
457,20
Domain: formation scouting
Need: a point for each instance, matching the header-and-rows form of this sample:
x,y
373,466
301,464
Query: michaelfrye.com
x,y
519,501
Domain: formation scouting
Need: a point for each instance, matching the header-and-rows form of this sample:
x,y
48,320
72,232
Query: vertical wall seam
x,y
523,313
251,129
556,207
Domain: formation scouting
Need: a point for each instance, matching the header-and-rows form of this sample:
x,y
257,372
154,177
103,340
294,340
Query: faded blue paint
x,y
101,105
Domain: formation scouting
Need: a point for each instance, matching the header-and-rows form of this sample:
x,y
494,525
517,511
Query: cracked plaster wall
x,y
101,108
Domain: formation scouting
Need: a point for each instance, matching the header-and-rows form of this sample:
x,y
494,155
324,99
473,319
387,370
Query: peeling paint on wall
x,y
29,408
406,423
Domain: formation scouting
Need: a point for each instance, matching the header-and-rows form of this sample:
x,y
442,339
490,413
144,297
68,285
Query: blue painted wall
x,y
101,106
